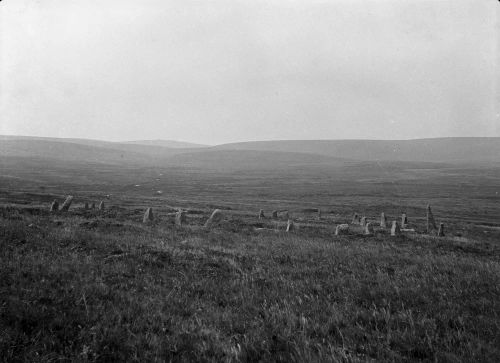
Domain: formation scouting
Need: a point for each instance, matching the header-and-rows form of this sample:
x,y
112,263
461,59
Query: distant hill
x,y
42,149
89,142
457,149
166,143
258,154
84,149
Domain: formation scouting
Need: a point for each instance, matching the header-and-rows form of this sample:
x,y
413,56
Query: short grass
x,y
90,287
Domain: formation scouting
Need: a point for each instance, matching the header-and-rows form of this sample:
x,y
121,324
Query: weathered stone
x,y
180,218
383,220
431,223
86,206
355,218
148,216
285,215
363,222
54,207
67,203
274,214
395,231
214,218
93,206
319,214
404,220
290,226
369,229
101,205
342,229
261,214
441,230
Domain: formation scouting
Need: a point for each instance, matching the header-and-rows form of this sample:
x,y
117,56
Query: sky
x,y
223,71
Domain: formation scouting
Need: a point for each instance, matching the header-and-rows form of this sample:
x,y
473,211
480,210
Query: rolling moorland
x,y
100,285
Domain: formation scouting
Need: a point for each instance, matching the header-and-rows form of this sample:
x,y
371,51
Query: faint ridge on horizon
x,y
157,142
166,143
188,144
450,149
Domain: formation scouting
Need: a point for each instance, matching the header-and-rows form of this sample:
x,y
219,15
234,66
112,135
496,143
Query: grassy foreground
x,y
92,288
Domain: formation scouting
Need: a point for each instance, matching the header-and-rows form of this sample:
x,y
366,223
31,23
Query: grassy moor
x,y
100,285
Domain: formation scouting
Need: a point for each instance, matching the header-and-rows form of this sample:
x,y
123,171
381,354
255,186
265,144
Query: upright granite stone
x,y
342,229
274,214
369,229
441,230
148,216
383,220
67,203
101,205
431,223
363,222
404,220
86,206
290,226
319,214
93,205
261,214
355,219
180,218
215,218
395,231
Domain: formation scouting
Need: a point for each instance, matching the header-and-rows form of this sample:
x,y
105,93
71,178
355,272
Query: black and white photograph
x,y
249,181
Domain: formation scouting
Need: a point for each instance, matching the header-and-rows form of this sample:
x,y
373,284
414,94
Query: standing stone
x,y
342,229
355,218
441,230
93,205
101,205
431,223
274,214
54,207
363,222
383,220
86,206
67,203
286,215
180,218
369,229
319,214
214,218
404,220
148,216
290,226
261,214
395,231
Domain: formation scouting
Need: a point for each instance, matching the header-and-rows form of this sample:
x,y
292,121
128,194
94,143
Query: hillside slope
x,y
466,149
166,143
70,152
258,153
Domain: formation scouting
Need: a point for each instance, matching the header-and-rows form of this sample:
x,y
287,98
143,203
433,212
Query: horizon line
x,y
246,141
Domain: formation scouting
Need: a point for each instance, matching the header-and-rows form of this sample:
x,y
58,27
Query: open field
x,y
101,286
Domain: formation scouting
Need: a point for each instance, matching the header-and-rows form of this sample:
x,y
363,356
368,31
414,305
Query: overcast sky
x,y
222,71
